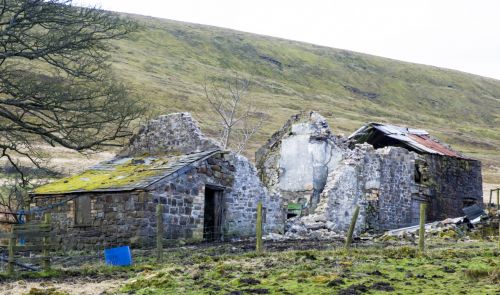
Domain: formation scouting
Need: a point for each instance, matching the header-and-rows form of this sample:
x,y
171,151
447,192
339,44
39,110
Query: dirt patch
x,y
82,286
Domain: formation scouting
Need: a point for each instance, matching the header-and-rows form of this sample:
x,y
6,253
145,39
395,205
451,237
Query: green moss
x,y
151,284
447,269
120,175
46,291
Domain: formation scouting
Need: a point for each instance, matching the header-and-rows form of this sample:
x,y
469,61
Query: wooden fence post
x,y
498,235
352,227
421,231
498,199
12,244
258,230
159,233
46,243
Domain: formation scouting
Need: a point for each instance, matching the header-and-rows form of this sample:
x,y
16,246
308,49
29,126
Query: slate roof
x,y
124,174
417,140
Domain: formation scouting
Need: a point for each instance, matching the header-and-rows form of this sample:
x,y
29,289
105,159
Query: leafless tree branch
x,y
56,84
239,121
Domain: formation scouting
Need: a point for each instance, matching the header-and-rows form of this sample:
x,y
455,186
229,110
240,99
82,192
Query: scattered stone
x,y
376,273
257,291
354,290
249,281
335,283
382,286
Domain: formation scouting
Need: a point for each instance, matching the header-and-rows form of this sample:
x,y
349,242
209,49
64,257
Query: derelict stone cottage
x,y
208,193
386,170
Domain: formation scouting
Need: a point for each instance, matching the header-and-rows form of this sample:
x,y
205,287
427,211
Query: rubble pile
x,y
448,228
482,227
311,227
317,227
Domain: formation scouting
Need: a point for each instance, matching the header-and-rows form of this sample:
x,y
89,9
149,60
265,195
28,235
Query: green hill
x,y
166,63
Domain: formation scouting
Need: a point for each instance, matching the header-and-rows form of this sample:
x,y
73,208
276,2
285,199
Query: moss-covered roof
x,y
122,174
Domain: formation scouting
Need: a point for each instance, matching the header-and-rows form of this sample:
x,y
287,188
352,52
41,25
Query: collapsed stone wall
x,y
295,162
378,181
387,183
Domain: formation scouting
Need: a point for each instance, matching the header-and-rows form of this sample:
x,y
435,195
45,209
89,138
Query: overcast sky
x,y
456,34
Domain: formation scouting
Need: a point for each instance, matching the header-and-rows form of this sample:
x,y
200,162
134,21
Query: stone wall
x,y
130,217
453,183
247,191
383,183
176,133
303,162
118,218
379,181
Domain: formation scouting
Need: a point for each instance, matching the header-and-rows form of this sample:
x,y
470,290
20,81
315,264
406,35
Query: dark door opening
x,y
213,216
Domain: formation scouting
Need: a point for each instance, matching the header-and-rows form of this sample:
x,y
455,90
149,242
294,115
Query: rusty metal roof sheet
x,y
415,139
124,174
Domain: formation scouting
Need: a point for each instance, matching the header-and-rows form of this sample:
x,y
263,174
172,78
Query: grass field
x,y
166,64
448,267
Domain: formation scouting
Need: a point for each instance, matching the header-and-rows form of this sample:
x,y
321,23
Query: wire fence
x,y
179,238
173,250
79,245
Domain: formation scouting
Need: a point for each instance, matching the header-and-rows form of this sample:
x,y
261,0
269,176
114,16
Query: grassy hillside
x,y
166,63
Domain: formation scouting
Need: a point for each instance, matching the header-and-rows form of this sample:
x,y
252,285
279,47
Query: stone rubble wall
x,y
378,181
176,133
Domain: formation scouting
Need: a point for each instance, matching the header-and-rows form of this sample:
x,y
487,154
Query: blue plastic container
x,y
119,256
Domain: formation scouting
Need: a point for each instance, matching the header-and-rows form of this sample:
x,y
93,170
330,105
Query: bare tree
x,y
238,118
56,85
13,197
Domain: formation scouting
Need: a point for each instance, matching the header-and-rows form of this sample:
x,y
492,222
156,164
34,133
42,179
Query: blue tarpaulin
x,y
119,256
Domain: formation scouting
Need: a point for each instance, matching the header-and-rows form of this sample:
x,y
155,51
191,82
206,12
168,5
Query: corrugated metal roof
x,y
124,174
416,139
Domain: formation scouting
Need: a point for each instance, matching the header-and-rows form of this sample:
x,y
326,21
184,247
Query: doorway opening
x,y
213,215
